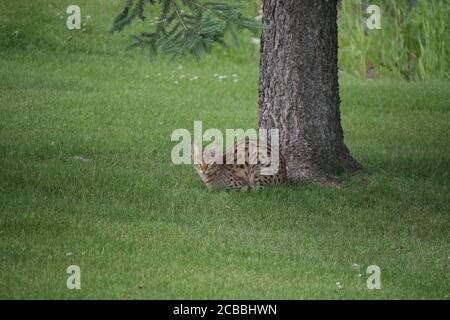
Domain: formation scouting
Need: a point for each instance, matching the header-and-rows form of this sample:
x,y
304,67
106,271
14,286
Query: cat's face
x,y
202,168
206,167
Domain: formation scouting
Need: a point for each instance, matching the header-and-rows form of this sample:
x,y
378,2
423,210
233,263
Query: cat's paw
x,y
244,189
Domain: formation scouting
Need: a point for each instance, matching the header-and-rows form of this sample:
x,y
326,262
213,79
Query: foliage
x,y
412,43
185,26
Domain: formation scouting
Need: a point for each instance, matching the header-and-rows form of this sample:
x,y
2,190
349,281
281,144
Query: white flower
x,y
182,76
176,82
235,80
147,76
355,266
255,40
234,75
193,78
68,254
339,285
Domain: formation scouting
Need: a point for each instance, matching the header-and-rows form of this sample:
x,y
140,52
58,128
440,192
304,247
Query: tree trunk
x,y
299,90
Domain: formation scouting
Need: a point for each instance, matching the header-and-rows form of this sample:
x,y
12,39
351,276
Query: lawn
x,y
86,179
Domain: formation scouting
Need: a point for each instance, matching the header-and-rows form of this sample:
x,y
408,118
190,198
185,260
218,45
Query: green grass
x,y
129,217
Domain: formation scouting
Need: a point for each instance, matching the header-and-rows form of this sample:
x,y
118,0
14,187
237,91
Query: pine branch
x,y
193,31
178,14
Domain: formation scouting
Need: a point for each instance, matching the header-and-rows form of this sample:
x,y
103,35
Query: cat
x,y
237,176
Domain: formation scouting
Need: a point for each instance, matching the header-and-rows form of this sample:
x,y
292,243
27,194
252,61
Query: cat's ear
x,y
196,153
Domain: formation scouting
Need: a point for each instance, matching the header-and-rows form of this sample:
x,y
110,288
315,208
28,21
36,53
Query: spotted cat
x,y
240,175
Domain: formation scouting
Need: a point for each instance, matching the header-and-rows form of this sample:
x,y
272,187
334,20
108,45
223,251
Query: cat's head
x,y
205,161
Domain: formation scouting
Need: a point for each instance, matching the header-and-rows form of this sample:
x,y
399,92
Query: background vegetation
x,y
412,43
86,176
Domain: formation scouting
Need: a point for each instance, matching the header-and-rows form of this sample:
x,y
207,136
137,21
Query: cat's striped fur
x,y
237,176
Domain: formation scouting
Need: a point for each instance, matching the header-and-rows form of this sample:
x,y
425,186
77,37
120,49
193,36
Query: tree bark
x,y
299,90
